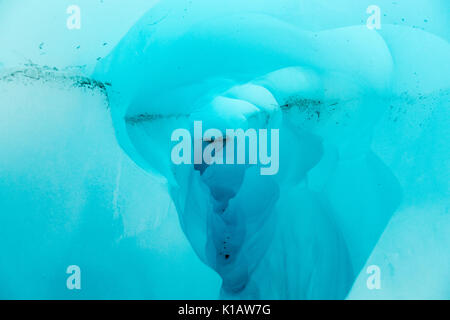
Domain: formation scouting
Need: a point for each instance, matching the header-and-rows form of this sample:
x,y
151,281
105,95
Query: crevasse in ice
x,y
363,120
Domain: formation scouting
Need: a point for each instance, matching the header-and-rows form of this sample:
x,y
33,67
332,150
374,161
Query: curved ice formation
x,y
312,226
363,118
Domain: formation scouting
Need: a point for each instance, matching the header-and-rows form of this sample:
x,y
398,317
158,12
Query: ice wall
x,y
70,196
86,176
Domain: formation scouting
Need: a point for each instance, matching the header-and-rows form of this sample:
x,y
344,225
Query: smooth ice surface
x,y
363,177
70,195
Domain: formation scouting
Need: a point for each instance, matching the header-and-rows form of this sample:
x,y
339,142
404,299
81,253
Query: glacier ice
x,y
364,169
65,187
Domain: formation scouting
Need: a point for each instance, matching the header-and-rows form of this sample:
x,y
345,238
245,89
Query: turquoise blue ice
x,y
85,171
